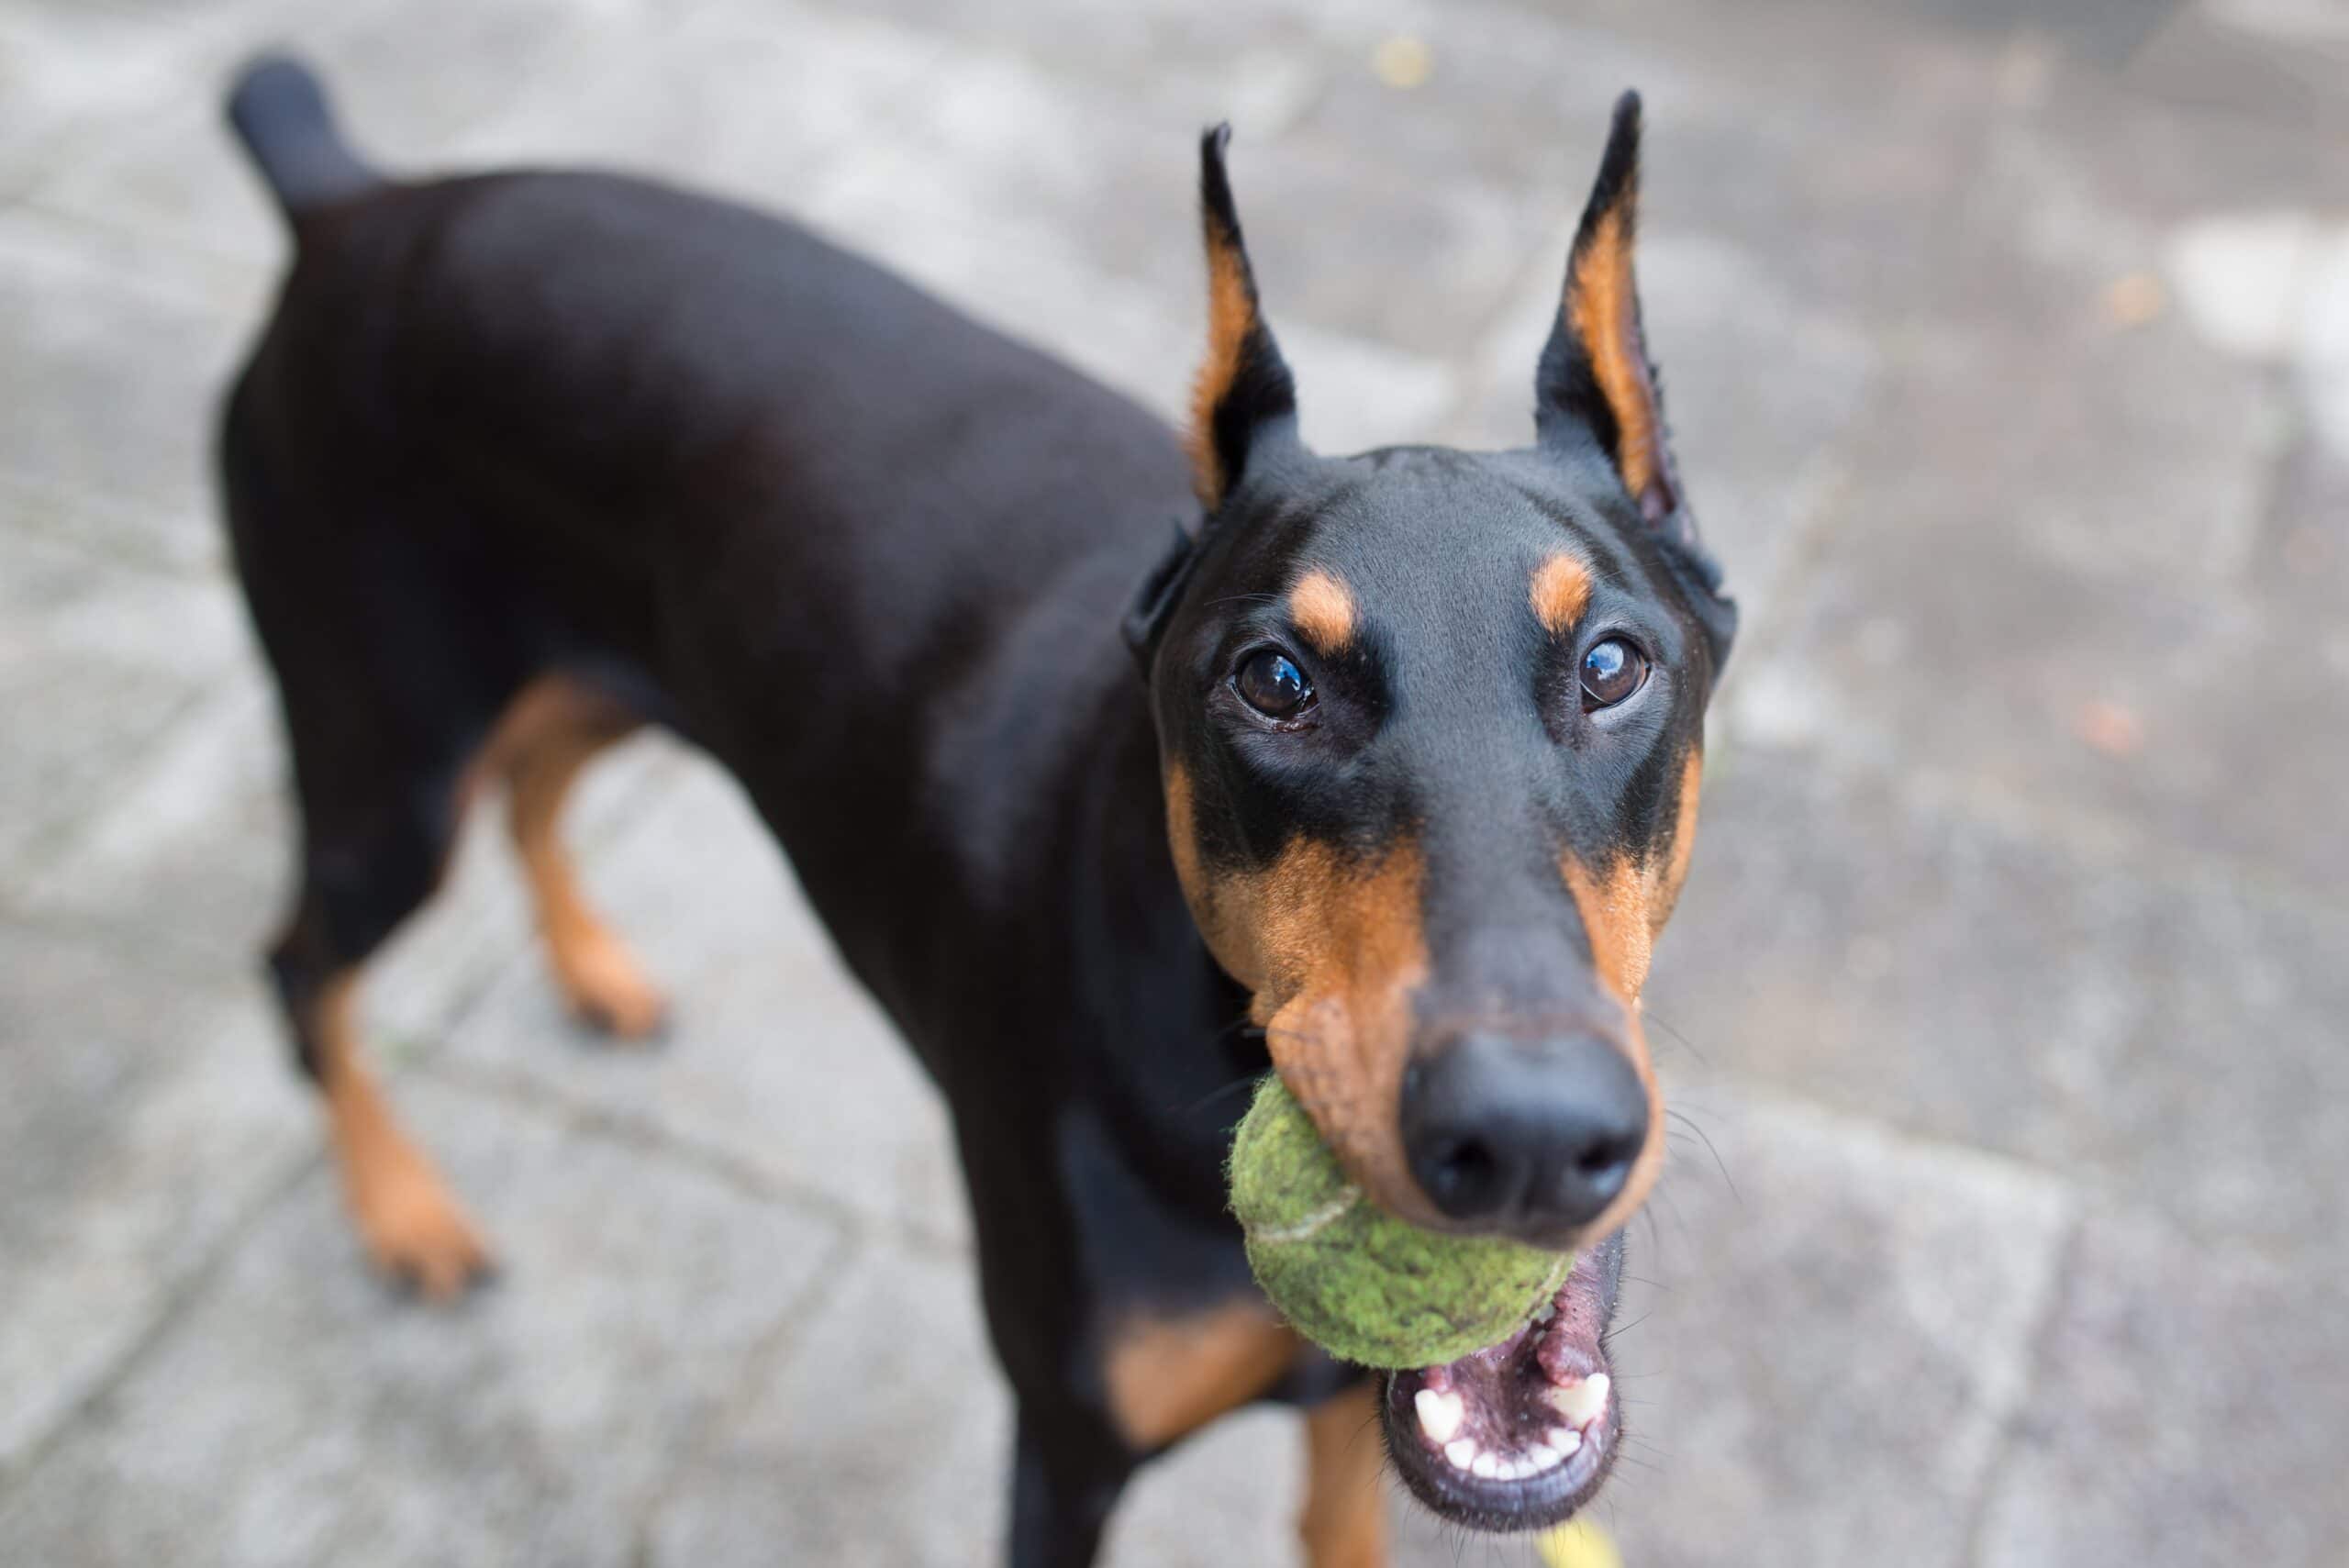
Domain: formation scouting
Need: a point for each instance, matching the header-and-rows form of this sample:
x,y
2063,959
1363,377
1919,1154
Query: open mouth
x,y
1521,1434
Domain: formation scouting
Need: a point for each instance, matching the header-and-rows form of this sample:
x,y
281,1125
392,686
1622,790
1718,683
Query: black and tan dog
x,y
1409,780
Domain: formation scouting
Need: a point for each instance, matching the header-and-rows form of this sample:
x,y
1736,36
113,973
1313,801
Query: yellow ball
x,y
1578,1543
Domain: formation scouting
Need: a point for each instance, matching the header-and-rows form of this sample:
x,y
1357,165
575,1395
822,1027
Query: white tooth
x,y
1440,1415
1541,1456
1462,1451
1567,1441
1582,1403
1486,1466
1544,1312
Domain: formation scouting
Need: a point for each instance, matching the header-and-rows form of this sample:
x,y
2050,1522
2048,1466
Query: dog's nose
x,y
1529,1138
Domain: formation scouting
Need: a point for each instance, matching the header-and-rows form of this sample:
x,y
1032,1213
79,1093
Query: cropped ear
x,y
1595,379
1244,396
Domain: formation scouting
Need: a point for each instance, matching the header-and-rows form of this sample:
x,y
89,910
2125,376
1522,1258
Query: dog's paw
x,y
608,991
417,1235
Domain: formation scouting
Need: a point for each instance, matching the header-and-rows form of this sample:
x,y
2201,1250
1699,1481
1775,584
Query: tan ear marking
x,y
1602,301
1231,311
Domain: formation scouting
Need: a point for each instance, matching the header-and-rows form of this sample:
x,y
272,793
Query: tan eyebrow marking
x,y
1324,611
1561,591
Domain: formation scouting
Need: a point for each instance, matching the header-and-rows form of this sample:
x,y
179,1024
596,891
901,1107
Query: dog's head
x,y
1431,728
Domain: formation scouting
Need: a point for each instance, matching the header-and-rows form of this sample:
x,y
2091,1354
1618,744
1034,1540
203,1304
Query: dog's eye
x,y
1270,682
1612,670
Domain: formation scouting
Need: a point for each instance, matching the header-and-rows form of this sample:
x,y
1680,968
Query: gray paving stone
x,y
1833,139
1185,63
2300,564
2174,159
2000,646
2233,61
1007,149
747,101
882,1440
1518,98
775,1056
2187,1410
298,1413
109,364
145,1113
407,78
1821,1350
1894,955
63,66
96,660
1230,1494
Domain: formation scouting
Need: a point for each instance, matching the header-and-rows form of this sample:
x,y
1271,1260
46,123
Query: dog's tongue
x,y
1525,1405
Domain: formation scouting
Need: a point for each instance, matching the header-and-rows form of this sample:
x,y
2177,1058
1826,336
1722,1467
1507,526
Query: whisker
x,y
1236,1086
1686,1120
1684,1043
1619,1331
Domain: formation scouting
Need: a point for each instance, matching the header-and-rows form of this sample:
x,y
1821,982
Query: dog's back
x,y
613,360
580,420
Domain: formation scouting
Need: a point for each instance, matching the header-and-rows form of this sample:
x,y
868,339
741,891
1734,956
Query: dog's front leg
x,y
1064,1484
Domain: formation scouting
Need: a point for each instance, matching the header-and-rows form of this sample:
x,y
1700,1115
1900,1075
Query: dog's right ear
x,y
1244,398
1153,603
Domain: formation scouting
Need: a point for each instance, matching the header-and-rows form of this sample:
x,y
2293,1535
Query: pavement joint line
x,y
2107,839
757,1365
648,1136
138,945
176,1300
186,245
2082,1190
55,834
2062,1283
111,546
1940,1150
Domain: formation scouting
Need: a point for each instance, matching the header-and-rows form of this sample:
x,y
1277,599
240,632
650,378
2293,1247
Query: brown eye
x,y
1612,670
1270,682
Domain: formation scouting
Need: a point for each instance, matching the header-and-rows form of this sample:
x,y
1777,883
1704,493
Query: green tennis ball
x,y
1356,1281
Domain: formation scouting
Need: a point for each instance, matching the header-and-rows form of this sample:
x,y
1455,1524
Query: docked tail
x,y
280,113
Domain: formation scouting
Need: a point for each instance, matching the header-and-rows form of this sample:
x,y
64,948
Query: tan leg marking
x,y
1169,1376
411,1225
549,735
1345,1523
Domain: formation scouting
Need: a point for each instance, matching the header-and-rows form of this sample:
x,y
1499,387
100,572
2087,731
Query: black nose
x,y
1530,1137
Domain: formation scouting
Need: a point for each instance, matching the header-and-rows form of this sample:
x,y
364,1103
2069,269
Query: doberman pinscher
x,y
1400,800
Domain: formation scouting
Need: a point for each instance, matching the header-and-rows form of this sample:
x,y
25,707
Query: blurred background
x,y
2007,345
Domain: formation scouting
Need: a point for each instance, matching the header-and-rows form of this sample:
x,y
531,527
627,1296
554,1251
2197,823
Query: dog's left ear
x,y
1595,379
1244,401
1595,382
